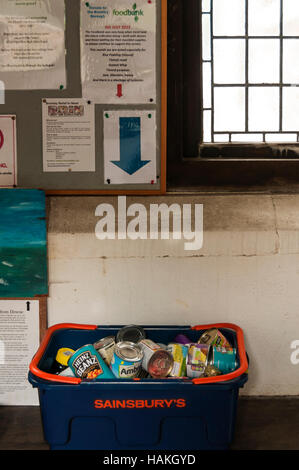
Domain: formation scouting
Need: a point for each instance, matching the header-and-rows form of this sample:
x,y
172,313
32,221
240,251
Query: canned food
x,y
197,360
224,359
131,333
157,361
179,353
105,346
87,363
214,337
211,371
126,360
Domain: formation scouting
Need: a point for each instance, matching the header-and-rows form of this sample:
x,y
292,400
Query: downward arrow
x,y
130,145
119,90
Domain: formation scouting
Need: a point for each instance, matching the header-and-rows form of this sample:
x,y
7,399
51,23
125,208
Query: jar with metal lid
x,y
61,360
131,333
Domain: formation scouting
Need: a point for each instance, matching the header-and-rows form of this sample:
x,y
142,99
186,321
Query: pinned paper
x,y
8,151
32,40
118,51
130,151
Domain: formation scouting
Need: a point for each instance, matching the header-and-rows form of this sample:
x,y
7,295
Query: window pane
x,y
247,138
207,130
206,5
290,17
264,63
291,109
264,17
229,61
229,109
281,138
206,37
206,85
291,61
229,17
221,138
264,109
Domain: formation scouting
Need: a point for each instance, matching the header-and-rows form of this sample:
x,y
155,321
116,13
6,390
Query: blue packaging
x,y
86,363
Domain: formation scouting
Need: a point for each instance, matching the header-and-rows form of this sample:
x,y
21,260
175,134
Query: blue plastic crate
x,y
121,414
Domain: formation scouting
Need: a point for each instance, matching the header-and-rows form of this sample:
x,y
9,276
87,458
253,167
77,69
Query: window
x,y
233,92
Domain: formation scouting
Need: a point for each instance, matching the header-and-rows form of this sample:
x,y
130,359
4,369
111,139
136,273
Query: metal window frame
x,y
229,168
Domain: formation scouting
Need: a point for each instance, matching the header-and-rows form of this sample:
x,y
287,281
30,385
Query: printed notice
x,y
19,341
8,151
118,51
68,135
130,152
32,44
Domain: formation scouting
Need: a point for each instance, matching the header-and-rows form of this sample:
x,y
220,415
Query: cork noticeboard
x,y
27,105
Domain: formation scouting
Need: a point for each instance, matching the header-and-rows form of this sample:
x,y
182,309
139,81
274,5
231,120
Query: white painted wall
x,y
247,273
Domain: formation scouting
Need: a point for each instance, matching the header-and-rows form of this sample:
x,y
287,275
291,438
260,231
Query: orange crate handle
x,y
241,349
33,367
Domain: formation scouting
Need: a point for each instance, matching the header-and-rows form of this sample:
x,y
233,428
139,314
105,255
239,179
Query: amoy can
x,y
214,337
197,360
157,361
105,346
225,359
131,333
126,360
179,353
87,363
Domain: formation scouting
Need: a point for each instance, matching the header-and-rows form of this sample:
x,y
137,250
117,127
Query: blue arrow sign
x,y
130,145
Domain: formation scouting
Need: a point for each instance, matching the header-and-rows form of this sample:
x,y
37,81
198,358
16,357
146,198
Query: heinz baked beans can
x,y
126,360
86,363
157,361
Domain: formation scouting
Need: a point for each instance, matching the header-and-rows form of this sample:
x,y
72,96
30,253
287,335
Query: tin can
x,y
179,353
211,371
225,359
105,346
67,372
214,337
182,339
126,360
197,360
157,361
87,363
131,333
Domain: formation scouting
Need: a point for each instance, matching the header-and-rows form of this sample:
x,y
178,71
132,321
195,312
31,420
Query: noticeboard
x,y
89,118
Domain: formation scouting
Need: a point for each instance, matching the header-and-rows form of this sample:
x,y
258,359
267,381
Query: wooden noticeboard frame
x,y
163,140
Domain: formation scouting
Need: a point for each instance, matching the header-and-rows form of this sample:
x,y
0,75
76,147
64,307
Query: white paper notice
x,y
32,44
118,51
19,341
68,135
8,151
130,152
